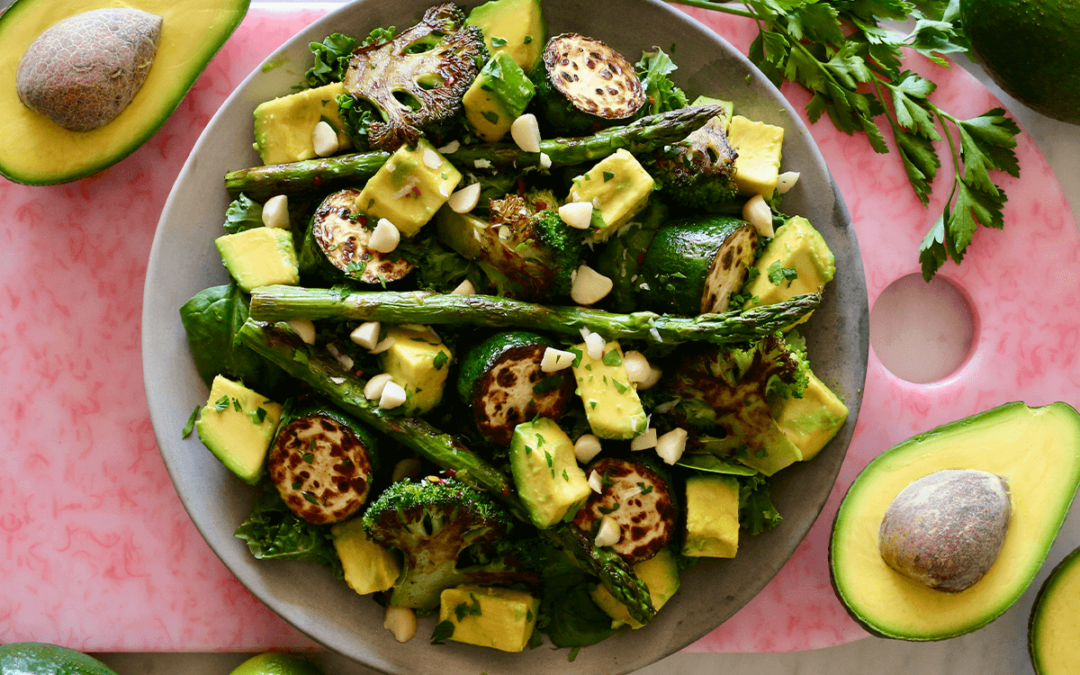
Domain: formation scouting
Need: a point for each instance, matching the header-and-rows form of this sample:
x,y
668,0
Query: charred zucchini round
x,y
693,266
583,75
639,499
502,381
342,234
321,462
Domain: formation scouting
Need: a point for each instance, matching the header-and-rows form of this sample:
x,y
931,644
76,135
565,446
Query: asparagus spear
x,y
645,135
281,346
281,303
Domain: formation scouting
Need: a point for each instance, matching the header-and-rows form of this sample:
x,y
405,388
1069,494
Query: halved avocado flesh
x,y
1037,450
37,151
1055,620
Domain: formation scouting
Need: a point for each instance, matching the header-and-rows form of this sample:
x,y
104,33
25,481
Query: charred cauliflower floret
x,y
449,534
585,83
416,80
698,174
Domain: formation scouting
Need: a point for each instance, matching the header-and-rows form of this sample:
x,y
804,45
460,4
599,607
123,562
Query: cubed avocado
x,y
660,574
369,567
260,256
232,427
611,403
760,148
728,106
284,126
499,618
797,246
410,187
777,451
497,97
546,474
812,421
513,27
618,187
712,516
419,362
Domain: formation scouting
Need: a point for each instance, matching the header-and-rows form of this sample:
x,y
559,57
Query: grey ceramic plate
x,y
184,261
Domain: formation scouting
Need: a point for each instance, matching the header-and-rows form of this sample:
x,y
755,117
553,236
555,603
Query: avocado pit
x,y
946,529
84,71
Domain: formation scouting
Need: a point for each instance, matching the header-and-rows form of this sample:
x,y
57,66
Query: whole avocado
x,y
1030,48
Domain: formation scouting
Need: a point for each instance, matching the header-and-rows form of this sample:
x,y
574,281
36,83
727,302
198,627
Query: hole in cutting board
x,y
921,331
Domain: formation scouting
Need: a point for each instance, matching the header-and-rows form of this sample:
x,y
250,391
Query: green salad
x,y
511,337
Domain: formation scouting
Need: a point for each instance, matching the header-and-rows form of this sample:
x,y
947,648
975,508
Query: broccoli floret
x,y
449,534
698,173
527,255
731,390
416,80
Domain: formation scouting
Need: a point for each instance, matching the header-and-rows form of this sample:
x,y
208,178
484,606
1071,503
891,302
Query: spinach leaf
x,y
211,320
243,214
568,615
273,532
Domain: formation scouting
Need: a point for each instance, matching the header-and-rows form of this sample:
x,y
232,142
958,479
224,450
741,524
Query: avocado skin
x,y
1030,48
41,658
1066,416
1049,586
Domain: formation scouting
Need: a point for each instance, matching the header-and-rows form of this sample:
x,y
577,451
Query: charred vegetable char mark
x,y
698,174
636,497
342,234
593,77
418,78
501,377
320,467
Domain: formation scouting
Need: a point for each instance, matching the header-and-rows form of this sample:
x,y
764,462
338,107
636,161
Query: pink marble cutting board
x,y
96,551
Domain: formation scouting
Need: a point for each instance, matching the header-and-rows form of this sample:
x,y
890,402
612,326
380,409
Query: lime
x,y
38,658
1031,48
274,663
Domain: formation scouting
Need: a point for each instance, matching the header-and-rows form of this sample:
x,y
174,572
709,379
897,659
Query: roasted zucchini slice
x,y
342,233
321,462
501,380
417,79
593,77
639,499
693,266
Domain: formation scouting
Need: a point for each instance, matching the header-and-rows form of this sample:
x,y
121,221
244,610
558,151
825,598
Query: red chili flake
x,y
505,492
641,259
318,181
542,206
416,191
452,473
362,220
521,185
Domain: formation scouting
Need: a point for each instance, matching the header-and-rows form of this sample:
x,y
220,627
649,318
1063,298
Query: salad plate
x,y
184,261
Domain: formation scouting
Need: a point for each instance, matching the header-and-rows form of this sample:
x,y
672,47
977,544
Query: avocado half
x,y
48,659
1052,629
37,151
1037,450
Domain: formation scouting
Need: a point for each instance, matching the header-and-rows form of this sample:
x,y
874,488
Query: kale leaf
x,y
661,93
756,511
243,214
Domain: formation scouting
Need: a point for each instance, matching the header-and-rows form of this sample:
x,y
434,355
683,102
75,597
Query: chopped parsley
x,y
440,360
612,358
547,384
464,609
778,274
222,404
498,41
191,422
606,511
444,630
608,175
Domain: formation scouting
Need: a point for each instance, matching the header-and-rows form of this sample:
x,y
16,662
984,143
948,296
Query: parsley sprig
x,y
853,67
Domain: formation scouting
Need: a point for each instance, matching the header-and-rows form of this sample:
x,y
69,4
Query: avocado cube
x,y
712,516
618,187
611,402
796,246
497,97
410,187
813,420
284,126
369,567
260,256
728,106
760,147
548,479
231,427
419,362
660,574
499,618
775,450
513,27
